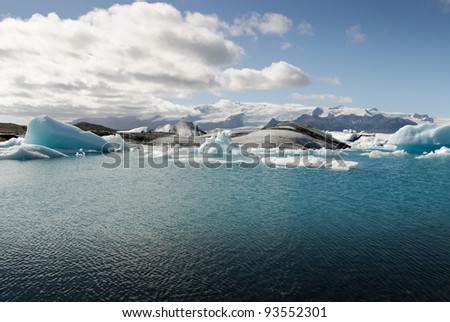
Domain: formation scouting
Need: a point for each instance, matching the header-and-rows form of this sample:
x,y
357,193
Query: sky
x,y
70,59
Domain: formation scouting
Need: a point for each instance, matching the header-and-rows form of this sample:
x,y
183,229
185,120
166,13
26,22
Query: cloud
x,y
323,97
330,80
305,29
268,24
124,59
355,34
277,75
286,45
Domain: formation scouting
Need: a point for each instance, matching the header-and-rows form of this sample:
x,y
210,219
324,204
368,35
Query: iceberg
x,y
183,128
11,142
49,138
442,152
48,132
186,128
311,162
166,128
117,142
220,141
29,152
373,141
377,154
421,138
142,129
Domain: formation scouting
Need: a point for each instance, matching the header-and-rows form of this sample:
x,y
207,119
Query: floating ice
x,y
421,138
442,152
29,152
377,154
116,142
345,136
80,153
220,149
186,128
219,143
374,141
142,129
166,128
11,142
310,162
49,138
48,132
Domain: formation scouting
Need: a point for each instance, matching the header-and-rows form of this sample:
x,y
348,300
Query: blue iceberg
x,y
29,152
48,132
49,138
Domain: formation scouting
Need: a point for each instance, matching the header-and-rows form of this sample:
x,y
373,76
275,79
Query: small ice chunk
x,y
377,154
442,152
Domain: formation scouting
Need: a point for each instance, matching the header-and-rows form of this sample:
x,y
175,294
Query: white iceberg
x,y
183,128
377,154
442,152
219,143
11,142
142,129
186,128
117,142
310,162
421,138
168,128
373,141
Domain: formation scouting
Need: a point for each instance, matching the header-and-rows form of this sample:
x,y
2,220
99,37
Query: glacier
x,y
418,139
49,138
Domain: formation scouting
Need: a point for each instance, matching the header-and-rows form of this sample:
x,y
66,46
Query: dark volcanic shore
x,y
11,130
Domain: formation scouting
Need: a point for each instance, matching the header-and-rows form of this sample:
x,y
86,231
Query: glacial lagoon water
x,y
71,230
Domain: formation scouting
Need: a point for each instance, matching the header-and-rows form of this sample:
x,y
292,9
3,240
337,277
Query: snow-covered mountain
x,y
227,114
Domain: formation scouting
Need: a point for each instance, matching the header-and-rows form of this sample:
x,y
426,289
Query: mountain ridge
x,y
227,114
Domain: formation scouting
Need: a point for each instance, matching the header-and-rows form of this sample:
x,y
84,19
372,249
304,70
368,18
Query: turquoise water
x,y
73,231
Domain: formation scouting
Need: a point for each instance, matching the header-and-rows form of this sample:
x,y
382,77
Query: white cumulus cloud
x,y
123,59
323,97
277,75
355,34
269,24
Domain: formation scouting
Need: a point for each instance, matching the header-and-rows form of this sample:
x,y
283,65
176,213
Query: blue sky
x,y
392,55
